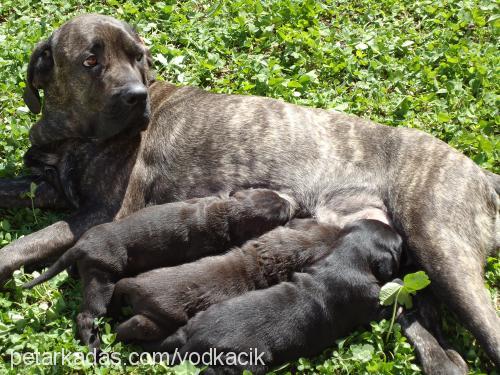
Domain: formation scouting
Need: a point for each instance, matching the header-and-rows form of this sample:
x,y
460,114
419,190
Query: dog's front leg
x,y
14,194
47,243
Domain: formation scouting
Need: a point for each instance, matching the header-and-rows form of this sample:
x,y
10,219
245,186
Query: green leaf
x,y
185,368
294,84
107,328
393,292
363,353
416,281
404,298
388,293
161,59
443,117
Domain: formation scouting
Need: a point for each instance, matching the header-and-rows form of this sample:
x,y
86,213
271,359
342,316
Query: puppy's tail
x,y
66,260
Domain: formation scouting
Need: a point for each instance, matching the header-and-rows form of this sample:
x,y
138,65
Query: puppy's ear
x,y
60,173
68,179
386,257
39,69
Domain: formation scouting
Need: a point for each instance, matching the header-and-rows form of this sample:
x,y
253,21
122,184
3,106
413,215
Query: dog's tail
x,y
66,260
494,179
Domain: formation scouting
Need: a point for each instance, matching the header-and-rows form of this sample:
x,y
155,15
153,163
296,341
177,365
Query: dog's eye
x,y
90,61
139,57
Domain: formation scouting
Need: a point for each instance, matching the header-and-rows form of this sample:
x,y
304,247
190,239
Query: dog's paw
x,y
87,330
175,341
461,367
6,271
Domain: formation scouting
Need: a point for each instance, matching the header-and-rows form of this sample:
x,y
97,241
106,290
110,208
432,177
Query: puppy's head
x,y
94,74
260,210
380,245
59,170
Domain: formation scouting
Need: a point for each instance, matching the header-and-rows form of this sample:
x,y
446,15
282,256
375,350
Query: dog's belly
x,y
330,192
237,142
327,215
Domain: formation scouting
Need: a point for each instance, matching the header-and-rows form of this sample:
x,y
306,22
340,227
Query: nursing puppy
x,y
164,299
163,235
304,315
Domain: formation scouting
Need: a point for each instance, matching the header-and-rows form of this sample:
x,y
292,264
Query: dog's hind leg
x,y
461,286
449,235
139,328
447,209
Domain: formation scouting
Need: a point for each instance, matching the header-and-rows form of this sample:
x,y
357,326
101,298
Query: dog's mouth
x,y
116,120
143,119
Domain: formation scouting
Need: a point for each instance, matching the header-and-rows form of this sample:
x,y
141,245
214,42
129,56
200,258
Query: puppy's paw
x,y
5,275
175,341
6,268
88,332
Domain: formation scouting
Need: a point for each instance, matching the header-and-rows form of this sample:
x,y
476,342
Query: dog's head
x,y
94,74
380,246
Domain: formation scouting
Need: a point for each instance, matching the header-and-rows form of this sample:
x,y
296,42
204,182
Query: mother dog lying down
x,y
166,143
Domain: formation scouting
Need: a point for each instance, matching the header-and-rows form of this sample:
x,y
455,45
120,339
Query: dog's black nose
x,y
134,94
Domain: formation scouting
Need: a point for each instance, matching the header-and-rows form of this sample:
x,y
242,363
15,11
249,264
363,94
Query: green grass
x,y
432,65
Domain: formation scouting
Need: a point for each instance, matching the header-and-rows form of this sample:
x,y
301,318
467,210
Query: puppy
x,y
300,317
164,299
160,236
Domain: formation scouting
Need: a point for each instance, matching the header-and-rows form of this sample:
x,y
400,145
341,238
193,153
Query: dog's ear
x,y
39,68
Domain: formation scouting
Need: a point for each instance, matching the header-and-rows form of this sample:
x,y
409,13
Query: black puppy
x,y
300,317
164,299
160,236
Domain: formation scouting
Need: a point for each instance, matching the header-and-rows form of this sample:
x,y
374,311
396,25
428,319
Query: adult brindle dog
x,y
136,146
